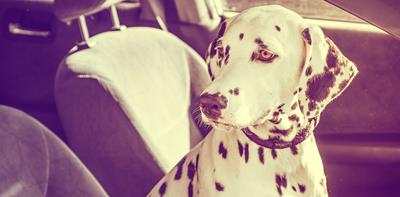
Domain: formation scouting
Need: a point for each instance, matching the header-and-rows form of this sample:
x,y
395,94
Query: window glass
x,y
307,8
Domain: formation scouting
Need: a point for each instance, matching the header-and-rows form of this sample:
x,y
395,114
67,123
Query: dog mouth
x,y
259,121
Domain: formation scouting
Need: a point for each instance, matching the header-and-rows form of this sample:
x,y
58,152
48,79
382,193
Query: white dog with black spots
x,y
273,74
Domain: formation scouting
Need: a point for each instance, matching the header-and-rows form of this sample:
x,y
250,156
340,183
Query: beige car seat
x,y
124,99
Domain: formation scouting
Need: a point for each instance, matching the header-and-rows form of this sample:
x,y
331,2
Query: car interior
x,y
100,97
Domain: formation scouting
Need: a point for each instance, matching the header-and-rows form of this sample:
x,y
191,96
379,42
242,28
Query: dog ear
x,y
326,72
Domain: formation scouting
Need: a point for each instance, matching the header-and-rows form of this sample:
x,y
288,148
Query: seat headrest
x,y
67,10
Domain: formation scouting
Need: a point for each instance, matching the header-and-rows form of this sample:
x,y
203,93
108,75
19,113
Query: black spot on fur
x,y
253,56
178,173
246,152
277,28
222,150
331,57
258,41
236,91
219,187
279,190
240,146
294,117
307,36
302,188
294,150
261,154
294,106
241,35
274,154
197,161
209,71
190,189
280,182
163,189
301,108
190,174
197,166
319,85
308,71
280,131
322,182
312,105
191,171
227,49
263,46
221,53
219,63
222,30
352,70
294,188
226,61
276,120
283,180
213,52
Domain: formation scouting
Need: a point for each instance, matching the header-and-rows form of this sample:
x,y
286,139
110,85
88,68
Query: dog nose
x,y
212,105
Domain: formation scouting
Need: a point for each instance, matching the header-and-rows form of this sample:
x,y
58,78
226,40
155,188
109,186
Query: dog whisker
x,y
196,115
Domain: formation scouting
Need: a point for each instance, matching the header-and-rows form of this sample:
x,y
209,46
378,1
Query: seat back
x,y
124,104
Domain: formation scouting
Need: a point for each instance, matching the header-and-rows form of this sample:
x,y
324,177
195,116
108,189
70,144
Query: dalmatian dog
x,y
272,76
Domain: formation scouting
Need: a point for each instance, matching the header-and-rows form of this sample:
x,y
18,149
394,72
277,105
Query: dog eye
x,y
266,56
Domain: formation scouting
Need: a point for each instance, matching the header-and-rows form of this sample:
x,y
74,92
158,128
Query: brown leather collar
x,y
277,143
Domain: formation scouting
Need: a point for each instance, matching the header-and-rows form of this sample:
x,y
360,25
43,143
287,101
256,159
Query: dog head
x,y
264,61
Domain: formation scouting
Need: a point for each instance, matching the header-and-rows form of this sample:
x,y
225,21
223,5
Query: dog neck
x,y
286,145
287,128
286,142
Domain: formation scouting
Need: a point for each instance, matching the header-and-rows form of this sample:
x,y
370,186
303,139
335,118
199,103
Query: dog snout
x,y
213,104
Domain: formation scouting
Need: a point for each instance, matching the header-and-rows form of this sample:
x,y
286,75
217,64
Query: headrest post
x,y
115,19
86,42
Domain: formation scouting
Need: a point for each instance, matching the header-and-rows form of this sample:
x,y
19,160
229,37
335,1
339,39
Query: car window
x,y
306,8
